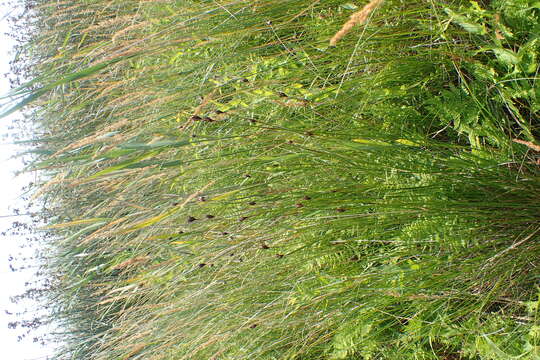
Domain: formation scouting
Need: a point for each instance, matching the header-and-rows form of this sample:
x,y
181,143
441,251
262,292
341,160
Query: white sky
x,y
10,187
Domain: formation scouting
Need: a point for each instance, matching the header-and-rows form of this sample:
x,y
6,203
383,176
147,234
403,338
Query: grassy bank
x,y
224,184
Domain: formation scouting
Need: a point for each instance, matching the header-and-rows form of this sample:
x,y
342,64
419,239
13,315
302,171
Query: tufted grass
x,y
226,185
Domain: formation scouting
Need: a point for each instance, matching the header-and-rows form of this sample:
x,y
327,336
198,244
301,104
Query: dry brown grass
x,y
358,18
93,138
132,261
128,29
529,144
104,25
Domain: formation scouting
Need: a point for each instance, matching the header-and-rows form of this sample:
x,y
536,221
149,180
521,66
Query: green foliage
x,y
227,186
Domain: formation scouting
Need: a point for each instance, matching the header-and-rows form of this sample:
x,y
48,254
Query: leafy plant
x,y
225,185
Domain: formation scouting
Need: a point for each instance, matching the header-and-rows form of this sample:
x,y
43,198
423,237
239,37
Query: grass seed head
x,y
358,18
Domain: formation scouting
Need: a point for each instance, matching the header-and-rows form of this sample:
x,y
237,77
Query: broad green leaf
x,y
35,94
155,145
153,220
147,163
349,6
81,232
123,165
27,100
370,142
466,23
506,56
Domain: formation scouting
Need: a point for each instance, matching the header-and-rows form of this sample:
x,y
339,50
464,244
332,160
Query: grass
x,y
223,184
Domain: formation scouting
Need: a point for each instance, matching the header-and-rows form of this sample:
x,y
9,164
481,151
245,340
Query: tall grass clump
x,y
228,184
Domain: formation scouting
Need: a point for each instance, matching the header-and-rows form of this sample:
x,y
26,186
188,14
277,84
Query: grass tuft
x,y
220,184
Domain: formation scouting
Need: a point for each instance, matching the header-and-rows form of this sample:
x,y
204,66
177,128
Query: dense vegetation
x,y
221,183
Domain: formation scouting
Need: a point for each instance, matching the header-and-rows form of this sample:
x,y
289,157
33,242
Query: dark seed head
x,y
307,198
265,247
253,326
245,80
202,265
191,219
243,218
175,204
253,121
208,119
210,216
282,94
299,205
247,176
341,210
252,203
224,233
309,133
220,112
196,118
279,256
